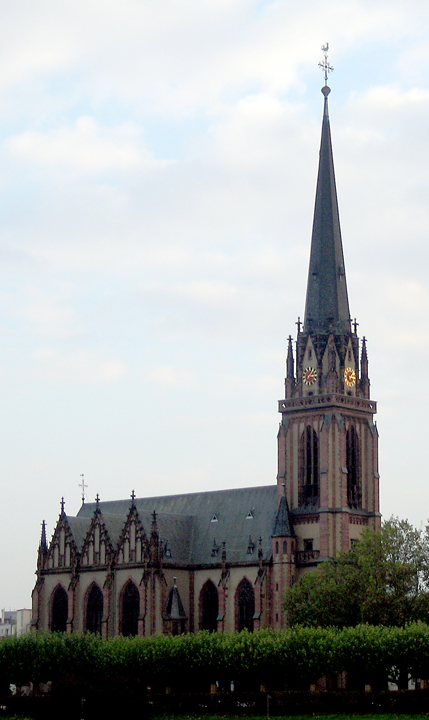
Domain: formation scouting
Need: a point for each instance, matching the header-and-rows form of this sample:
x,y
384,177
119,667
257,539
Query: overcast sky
x,y
158,164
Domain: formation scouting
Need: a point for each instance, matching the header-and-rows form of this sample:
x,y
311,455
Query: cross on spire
x,y
326,67
62,506
82,486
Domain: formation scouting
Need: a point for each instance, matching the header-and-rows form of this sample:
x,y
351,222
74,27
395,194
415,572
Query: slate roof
x,y
282,525
194,523
79,527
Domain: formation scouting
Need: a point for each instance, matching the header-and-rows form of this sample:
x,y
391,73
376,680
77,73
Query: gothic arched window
x,y
94,610
130,609
244,606
354,492
209,607
60,606
309,468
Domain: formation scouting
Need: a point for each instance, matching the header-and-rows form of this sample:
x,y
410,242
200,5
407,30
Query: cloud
x,y
171,376
86,147
81,367
48,313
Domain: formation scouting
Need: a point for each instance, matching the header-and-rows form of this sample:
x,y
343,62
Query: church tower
x,y
327,442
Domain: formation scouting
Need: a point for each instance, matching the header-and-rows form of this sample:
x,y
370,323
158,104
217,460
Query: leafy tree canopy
x,y
382,580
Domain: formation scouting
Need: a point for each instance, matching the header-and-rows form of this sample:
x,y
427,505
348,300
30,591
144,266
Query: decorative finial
x,y
43,535
82,486
62,506
97,500
133,496
327,68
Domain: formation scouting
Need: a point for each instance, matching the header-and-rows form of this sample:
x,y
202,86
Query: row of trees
x,y
382,580
291,659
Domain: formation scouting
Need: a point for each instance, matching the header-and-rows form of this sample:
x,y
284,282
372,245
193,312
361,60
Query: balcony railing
x,y
291,404
307,556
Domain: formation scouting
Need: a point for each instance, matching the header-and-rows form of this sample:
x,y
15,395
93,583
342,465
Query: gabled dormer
x,y
133,543
62,551
98,549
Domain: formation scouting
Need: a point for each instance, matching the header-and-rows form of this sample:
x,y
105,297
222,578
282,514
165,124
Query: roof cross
x,y
326,67
82,486
355,325
299,323
62,506
97,499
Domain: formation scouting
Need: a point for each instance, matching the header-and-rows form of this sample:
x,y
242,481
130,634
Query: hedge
x,y
292,658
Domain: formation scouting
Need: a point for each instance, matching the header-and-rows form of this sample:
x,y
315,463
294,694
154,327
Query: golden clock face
x,y
350,377
309,375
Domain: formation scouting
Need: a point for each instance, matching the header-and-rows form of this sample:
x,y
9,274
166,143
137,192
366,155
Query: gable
x,y
62,551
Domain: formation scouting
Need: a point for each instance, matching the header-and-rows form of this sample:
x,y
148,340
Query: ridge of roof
x,y
106,506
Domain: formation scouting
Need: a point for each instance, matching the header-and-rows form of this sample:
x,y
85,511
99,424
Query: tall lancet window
x,y
209,607
94,610
244,606
309,468
59,610
130,609
354,490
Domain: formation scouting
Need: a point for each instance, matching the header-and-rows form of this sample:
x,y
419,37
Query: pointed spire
x,y
364,381
290,372
42,551
364,360
43,543
327,305
154,523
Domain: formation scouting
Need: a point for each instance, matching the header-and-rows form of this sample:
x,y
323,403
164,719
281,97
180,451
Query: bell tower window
x,y
354,489
309,468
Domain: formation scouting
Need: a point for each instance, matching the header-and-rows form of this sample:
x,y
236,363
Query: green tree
x,y
382,580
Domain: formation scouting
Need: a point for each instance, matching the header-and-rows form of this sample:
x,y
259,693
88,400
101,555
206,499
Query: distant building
x,y
15,622
222,560
23,621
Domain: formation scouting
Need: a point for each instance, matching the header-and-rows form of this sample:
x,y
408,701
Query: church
x,y
222,560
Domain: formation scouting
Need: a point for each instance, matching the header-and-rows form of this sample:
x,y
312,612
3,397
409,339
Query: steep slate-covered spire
x,y
327,305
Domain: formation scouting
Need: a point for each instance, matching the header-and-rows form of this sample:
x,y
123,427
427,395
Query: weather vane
x,y
82,486
326,67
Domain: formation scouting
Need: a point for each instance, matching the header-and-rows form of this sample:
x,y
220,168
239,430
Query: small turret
x,y
43,549
364,382
290,370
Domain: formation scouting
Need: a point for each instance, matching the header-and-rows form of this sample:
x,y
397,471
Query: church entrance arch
x,y
244,606
59,610
94,610
209,607
130,609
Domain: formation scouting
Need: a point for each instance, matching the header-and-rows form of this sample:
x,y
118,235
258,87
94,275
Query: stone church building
x,y
222,560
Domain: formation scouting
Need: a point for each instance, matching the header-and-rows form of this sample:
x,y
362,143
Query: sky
x,y
158,164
